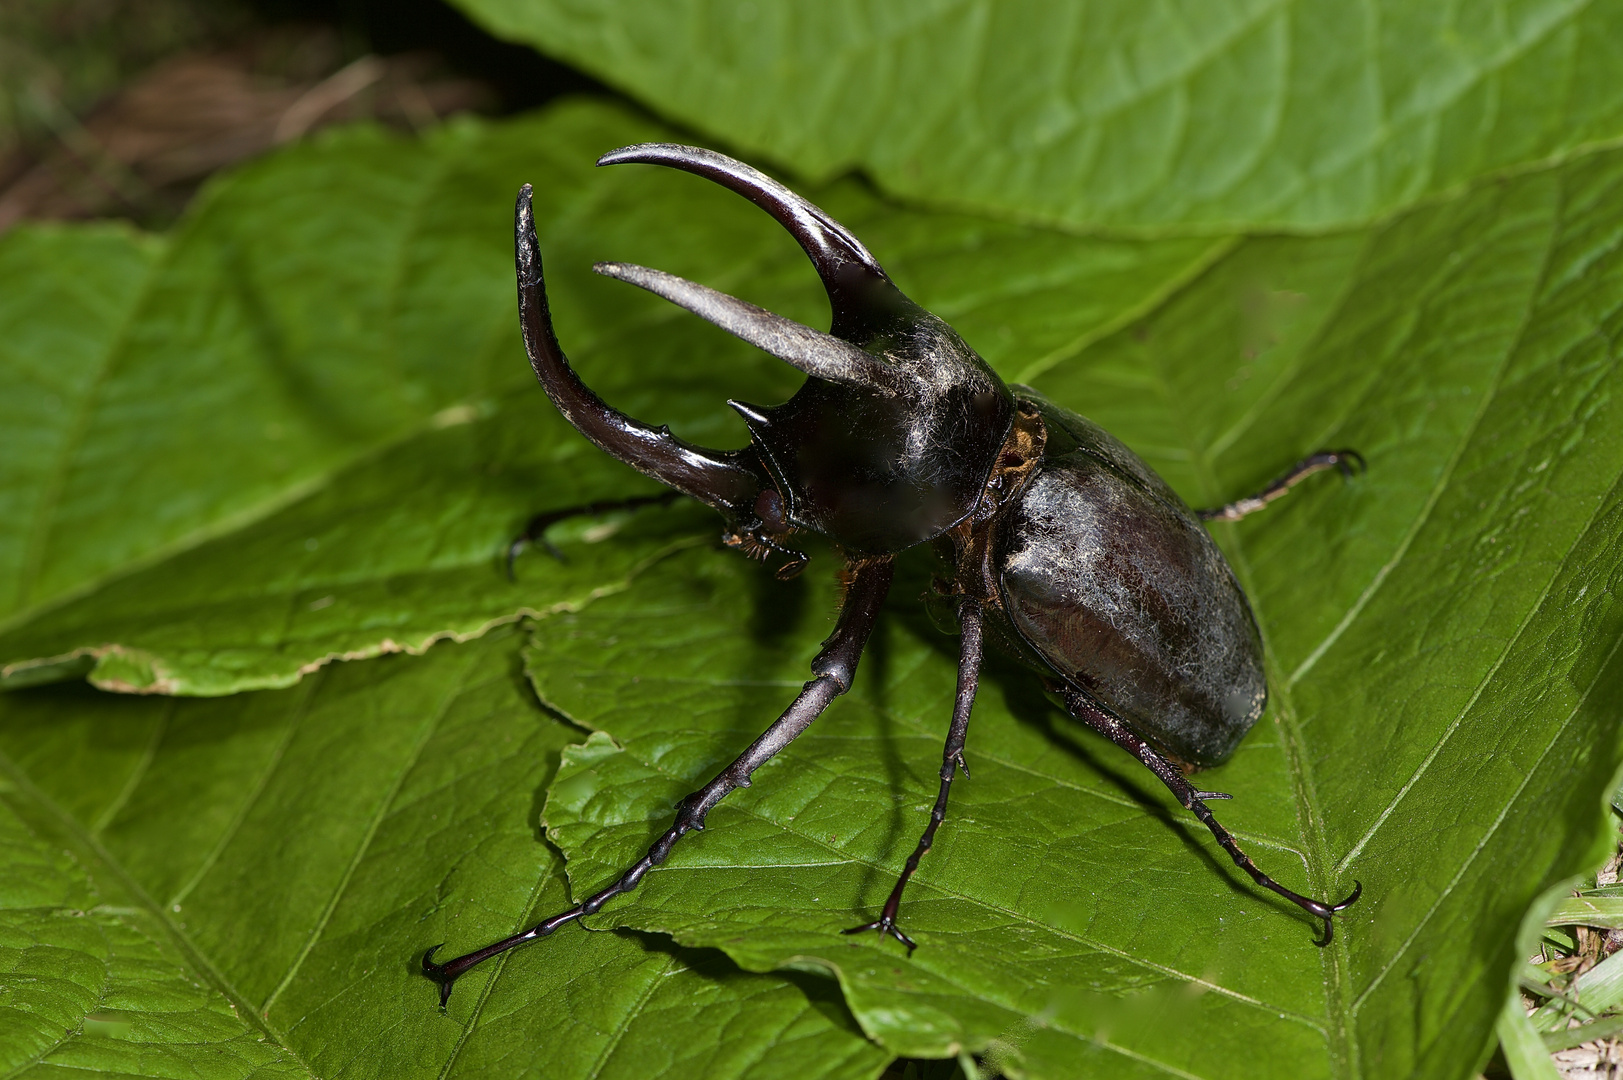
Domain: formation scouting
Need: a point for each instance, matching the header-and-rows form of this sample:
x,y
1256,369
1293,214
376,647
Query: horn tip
x,y
527,247
752,414
628,272
640,152
524,210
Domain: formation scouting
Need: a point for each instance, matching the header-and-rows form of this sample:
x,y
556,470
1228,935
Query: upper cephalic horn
x,y
859,290
812,351
717,477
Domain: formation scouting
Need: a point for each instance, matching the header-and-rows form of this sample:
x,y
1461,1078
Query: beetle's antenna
x,y
1350,462
812,351
859,290
719,478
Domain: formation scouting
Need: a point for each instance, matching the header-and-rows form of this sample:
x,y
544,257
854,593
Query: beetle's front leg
x,y
834,667
1084,709
1348,461
952,759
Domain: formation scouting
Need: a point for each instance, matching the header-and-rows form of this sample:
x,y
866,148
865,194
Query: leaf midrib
x,y
1600,670
1340,1047
1341,1013
1466,439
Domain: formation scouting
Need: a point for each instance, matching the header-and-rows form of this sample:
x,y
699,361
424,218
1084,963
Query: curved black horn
x,y
713,476
859,291
812,351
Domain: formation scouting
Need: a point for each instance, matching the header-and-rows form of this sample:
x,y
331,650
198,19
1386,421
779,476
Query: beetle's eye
x,y
769,508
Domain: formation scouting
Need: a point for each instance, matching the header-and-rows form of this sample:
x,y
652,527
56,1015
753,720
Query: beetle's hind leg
x,y
952,759
834,668
1085,710
535,531
1348,461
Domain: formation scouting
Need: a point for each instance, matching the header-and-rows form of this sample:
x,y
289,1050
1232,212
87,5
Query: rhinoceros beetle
x,y
1065,548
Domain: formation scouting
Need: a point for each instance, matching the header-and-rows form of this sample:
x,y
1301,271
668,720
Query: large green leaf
x,y
1440,633
263,579
291,854
1442,649
1293,113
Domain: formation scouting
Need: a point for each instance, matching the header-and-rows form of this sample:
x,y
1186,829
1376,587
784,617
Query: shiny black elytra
x,y
1066,548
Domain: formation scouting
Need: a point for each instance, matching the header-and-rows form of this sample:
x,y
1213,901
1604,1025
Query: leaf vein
x,y
193,956
1533,611
385,805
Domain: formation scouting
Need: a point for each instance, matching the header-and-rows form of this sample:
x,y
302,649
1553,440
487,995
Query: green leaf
x,y
1605,912
300,849
1441,632
89,982
410,441
1525,1052
1307,114
1441,638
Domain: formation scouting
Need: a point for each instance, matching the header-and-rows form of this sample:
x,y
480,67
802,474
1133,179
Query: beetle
x,y
1066,550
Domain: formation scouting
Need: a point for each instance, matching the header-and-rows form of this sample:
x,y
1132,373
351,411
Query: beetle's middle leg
x,y
1193,799
834,667
535,530
1348,461
952,759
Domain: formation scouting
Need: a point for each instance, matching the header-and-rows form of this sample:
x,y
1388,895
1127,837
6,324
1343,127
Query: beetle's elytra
x,y
1066,549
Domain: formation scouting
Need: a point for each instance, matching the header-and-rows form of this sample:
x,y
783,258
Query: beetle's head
x,y
892,437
